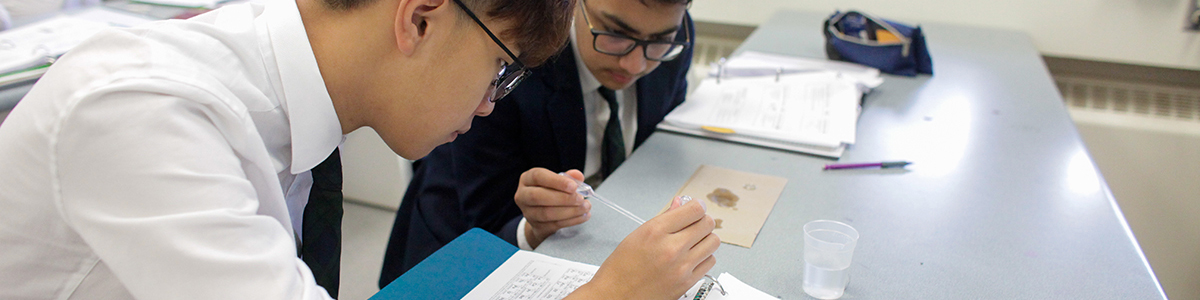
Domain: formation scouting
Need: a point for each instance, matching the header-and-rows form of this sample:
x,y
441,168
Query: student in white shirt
x,y
169,161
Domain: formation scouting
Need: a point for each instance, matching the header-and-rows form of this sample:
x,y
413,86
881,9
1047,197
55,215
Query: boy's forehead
x,y
642,17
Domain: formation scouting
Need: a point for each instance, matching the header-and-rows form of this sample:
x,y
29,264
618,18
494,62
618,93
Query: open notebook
x,y
479,265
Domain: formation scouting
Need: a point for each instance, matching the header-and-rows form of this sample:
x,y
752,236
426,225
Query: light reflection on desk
x,y
1081,177
937,145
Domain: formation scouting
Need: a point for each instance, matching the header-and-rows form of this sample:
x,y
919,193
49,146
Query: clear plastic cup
x,y
828,247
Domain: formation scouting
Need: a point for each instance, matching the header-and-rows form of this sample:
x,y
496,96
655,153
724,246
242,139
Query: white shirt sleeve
x,y
522,241
156,186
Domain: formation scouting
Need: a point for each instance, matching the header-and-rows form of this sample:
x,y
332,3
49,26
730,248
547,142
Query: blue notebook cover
x,y
451,272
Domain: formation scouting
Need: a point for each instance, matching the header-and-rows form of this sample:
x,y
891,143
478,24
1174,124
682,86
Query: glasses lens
x,y
663,51
613,44
508,80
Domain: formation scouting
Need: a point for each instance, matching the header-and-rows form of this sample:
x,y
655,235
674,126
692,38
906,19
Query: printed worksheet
x,y
533,276
777,107
816,108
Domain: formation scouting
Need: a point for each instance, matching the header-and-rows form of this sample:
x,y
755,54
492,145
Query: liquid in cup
x,y
828,248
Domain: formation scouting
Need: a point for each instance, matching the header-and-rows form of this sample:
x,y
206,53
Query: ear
x,y
412,19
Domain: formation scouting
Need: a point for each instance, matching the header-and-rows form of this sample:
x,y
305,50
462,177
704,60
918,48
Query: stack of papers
x,y
790,103
26,51
30,46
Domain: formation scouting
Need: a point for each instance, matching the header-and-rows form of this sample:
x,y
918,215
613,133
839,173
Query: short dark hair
x,y
540,27
684,2
346,4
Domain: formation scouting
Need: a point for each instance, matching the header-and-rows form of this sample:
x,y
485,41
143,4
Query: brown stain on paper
x,y
723,197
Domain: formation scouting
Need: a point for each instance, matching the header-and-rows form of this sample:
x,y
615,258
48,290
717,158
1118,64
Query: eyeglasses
x,y
617,44
510,74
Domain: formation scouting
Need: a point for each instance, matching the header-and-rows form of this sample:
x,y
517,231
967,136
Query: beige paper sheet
x,y
738,220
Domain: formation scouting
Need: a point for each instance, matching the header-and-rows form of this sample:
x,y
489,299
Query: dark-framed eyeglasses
x,y
510,74
617,44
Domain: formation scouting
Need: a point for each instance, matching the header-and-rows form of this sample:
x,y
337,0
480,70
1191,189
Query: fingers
x,y
541,177
676,203
696,237
705,264
704,267
534,196
540,187
677,219
561,223
706,247
686,198
578,175
694,233
546,214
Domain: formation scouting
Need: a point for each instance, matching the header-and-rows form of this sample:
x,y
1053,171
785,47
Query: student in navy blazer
x,y
472,181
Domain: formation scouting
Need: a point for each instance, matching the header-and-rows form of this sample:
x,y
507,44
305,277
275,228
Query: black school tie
x,y
321,246
612,149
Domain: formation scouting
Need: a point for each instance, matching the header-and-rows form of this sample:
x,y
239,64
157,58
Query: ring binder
x,y
707,287
720,69
724,71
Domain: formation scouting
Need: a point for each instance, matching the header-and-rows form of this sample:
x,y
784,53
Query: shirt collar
x,y
587,81
315,129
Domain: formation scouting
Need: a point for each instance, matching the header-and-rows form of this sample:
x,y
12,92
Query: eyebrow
x,y
625,26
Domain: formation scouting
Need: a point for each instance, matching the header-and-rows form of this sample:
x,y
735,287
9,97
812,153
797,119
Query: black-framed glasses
x,y
617,44
510,74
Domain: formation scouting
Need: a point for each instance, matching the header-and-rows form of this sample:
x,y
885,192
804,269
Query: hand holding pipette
x,y
587,192
662,258
548,202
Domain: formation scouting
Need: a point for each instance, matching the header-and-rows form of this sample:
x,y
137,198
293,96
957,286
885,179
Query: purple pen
x,y
884,165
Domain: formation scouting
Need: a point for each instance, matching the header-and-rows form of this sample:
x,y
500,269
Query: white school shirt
x,y
595,109
167,161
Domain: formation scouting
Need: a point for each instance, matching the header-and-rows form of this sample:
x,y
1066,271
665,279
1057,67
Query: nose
x,y
634,62
485,107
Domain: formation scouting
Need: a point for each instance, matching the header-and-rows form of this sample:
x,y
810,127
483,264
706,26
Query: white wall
x,y
371,172
1151,166
1143,32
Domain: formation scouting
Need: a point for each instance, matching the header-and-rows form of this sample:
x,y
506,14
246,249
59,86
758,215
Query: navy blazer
x,y
471,182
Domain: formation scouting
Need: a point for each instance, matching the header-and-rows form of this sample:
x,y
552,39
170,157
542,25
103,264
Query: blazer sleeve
x,y
488,163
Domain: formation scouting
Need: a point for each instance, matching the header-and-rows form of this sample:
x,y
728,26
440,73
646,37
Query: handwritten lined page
x,y
533,276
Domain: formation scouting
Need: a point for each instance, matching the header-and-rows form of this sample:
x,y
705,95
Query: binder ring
x,y
706,288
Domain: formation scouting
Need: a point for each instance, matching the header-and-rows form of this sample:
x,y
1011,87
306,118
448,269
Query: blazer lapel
x,y
565,110
646,109
654,92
